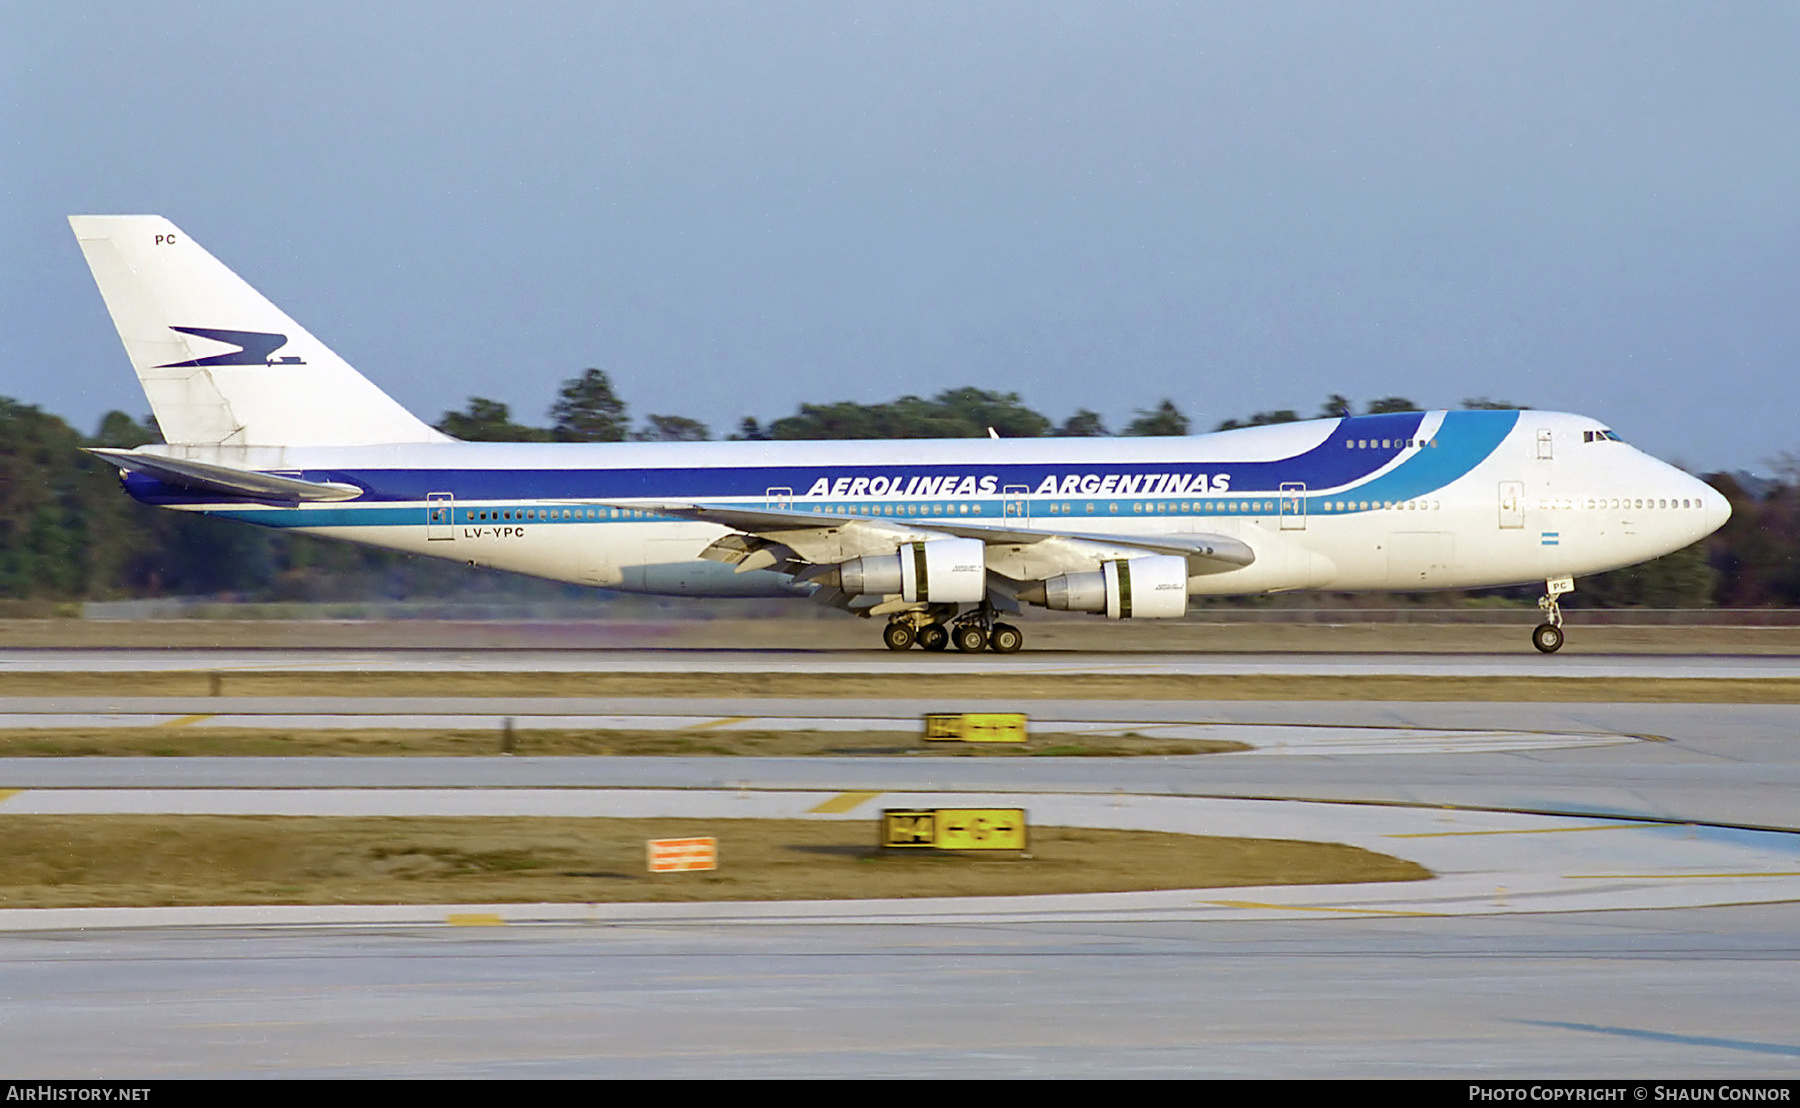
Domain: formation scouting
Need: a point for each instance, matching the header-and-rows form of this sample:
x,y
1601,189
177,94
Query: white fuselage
x,y
1409,501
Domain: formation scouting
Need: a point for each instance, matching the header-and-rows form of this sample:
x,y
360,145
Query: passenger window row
x,y
1620,503
1152,507
544,515
1381,505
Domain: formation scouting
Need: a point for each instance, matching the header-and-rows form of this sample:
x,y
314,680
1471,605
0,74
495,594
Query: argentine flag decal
x,y
1551,538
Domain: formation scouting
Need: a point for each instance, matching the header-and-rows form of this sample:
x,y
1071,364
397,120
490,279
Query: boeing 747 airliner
x,y
264,424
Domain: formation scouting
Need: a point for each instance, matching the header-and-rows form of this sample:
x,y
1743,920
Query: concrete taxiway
x,y
1072,720
1715,763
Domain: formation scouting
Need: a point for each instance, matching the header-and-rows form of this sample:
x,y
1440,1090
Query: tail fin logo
x,y
253,348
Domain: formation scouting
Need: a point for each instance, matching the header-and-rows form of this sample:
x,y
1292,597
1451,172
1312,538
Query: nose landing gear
x,y
1548,636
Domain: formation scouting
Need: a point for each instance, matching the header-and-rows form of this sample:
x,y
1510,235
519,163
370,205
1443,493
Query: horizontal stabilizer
x,y
206,477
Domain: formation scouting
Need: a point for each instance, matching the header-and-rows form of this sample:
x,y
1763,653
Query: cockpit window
x,y
1600,436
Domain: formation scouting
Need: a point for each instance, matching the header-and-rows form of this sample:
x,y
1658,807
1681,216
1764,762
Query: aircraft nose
x,y
1717,508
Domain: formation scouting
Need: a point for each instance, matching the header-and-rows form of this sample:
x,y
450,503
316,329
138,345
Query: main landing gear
x,y
972,632
1548,636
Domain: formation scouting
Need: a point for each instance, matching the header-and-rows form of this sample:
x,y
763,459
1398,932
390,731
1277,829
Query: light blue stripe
x,y
1465,440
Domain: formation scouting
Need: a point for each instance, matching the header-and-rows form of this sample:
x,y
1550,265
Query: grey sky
x,y
734,208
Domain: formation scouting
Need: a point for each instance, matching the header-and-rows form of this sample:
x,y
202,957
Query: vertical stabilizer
x,y
220,364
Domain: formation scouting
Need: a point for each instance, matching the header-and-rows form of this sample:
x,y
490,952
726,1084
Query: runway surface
x,y
1039,664
1534,816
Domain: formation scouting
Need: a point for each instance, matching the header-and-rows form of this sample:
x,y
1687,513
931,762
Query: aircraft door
x,y
779,498
1293,506
1015,502
1512,505
440,513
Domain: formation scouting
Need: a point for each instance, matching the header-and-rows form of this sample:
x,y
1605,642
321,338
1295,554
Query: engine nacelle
x,y
1138,588
876,574
945,571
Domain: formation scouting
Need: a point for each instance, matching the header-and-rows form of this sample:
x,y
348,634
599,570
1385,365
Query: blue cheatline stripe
x,y
384,515
1464,440
1332,463
373,516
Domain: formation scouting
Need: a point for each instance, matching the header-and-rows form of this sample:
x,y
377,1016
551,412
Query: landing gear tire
x,y
933,636
898,636
1005,639
1547,637
970,638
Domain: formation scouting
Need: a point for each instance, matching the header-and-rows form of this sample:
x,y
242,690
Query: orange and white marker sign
x,y
675,855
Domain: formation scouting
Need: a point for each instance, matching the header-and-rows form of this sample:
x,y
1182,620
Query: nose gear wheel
x,y
1548,636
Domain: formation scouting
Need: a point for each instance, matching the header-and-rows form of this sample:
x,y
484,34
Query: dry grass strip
x,y
245,742
94,861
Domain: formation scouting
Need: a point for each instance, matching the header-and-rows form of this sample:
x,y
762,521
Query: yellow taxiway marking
x,y
841,803
1661,876
726,722
1521,831
474,919
1315,908
188,721
8,794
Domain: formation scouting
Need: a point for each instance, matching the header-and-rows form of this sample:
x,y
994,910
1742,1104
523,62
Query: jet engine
x,y
944,571
1152,587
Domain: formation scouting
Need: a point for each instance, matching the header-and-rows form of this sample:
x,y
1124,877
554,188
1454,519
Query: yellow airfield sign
x,y
953,828
975,727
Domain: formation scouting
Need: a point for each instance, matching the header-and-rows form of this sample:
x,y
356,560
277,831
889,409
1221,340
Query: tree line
x,y
69,533
588,410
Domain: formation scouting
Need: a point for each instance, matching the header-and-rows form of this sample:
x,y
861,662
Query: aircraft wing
x,y
1229,552
226,480
813,537
754,520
